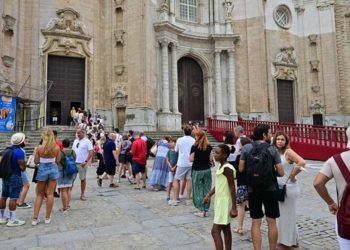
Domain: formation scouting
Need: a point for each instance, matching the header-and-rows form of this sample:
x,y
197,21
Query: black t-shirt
x,y
241,177
201,158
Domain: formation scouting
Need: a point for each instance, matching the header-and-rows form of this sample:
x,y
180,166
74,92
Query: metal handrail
x,y
29,125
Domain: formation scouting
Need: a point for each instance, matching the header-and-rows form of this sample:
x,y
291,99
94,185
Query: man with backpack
x,y
11,165
338,167
262,164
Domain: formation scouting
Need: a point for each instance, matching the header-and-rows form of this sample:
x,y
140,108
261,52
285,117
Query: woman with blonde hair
x,y
292,164
47,155
201,172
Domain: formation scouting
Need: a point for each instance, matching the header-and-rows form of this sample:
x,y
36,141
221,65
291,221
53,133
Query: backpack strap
x,y
342,167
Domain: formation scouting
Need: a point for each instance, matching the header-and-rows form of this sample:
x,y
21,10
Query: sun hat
x,y
17,138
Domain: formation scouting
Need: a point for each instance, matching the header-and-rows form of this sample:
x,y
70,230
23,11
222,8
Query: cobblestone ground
x,y
125,218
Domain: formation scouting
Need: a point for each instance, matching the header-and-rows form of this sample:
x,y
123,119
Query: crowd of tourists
x,y
256,173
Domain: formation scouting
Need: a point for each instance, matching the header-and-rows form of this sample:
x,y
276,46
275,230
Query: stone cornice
x,y
324,4
167,26
224,37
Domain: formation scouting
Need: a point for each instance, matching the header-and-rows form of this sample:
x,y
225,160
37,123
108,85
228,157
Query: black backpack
x,y
260,167
5,163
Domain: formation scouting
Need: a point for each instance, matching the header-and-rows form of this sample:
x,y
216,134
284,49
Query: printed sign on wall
x,y
7,113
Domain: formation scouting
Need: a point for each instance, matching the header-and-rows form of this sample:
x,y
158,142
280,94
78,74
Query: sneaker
x,y
48,221
181,197
35,222
24,205
113,185
173,203
15,223
56,195
63,210
99,182
168,199
3,220
123,176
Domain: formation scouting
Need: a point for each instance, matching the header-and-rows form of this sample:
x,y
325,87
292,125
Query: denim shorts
x,y
11,187
65,181
47,171
24,176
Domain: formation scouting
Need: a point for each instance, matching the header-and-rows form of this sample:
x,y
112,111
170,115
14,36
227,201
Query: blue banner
x,y
7,113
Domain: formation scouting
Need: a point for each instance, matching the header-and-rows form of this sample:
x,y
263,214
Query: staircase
x,y
69,132
34,137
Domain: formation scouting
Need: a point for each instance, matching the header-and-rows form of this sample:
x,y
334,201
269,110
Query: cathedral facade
x,y
156,64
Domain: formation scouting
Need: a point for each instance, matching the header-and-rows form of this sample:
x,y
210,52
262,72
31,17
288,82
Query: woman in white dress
x,y
292,164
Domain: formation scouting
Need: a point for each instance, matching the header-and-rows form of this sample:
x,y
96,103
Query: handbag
x,y
154,150
30,162
282,191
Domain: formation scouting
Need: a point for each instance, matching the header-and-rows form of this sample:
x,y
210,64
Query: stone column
x,y
216,17
218,91
174,78
232,82
165,75
172,11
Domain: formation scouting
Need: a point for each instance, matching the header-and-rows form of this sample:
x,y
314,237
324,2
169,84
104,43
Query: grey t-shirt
x,y
275,156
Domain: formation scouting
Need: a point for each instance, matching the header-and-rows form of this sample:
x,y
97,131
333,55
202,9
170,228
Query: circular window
x,y
283,16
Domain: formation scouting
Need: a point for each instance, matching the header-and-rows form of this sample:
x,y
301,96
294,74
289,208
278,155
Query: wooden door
x,y
68,77
121,118
285,97
190,90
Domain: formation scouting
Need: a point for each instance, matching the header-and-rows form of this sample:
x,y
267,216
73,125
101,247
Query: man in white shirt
x,y
184,166
83,148
331,170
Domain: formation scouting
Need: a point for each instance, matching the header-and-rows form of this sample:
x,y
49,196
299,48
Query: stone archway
x,y
66,37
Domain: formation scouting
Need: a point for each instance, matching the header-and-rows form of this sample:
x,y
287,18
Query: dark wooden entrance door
x,y
67,90
285,101
191,94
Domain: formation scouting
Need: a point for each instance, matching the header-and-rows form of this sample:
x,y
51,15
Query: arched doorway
x,y
190,90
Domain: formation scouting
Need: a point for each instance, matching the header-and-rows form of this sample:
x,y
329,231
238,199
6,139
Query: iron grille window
x,y
188,10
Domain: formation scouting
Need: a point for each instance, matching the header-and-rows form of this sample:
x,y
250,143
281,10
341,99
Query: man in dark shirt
x,y
267,197
110,158
11,186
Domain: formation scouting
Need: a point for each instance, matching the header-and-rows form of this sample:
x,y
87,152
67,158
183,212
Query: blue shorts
x,y
137,168
24,176
11,187
65,181
47,171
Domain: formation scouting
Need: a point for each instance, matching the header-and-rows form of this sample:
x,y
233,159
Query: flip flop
x,y
238,231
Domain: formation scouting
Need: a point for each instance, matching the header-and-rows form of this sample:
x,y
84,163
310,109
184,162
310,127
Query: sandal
x,y
238,230
199,214
136,188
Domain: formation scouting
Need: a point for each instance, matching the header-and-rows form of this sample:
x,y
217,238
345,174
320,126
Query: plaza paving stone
x,y
124,218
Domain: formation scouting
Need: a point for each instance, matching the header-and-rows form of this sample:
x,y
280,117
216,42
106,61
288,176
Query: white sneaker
x,y
15,223
48,221
3,220
35,222
181,197
173,203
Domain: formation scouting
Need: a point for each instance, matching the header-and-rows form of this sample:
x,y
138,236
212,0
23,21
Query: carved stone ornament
x,y
119,69
317,107
119,37
315,88
299,8
9,24
119,4
6,87
313,39
314,65
120,99
164,11
285,64
325,4
66,24
7,60
228,4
